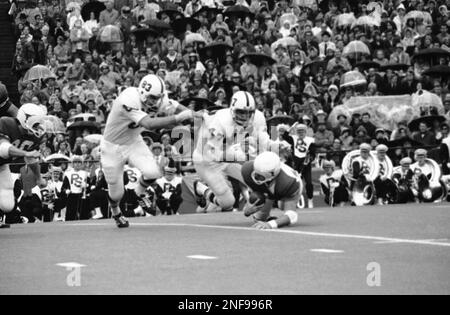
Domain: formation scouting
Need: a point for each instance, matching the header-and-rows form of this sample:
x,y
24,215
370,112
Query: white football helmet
x,y
30,117
266,167
243,108
151,91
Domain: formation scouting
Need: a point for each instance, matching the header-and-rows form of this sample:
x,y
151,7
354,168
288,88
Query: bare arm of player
x,y
289,217
149,122
7,150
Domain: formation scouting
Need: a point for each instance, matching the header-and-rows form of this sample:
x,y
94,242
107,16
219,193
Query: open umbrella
x,y
215,50
57,157
403,143
314,67
352,78
429,120
375,7
194,38
199,103
394,67
366,21
422,15
208,12
285,42
81,125
259,59
180,25
289,18
93,6
356,47
431,53
94,138
280,119
171,13
143,33
365,65
345,19
111,34
238,11
38,72
438,71
158,25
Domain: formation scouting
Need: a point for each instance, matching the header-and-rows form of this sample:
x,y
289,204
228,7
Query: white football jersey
x,y
301,146
122,126
133,177
222,133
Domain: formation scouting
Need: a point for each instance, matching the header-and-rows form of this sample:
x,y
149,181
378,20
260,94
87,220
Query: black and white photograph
x,y
224,152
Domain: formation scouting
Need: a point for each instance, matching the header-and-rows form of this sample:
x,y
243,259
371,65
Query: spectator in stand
x,y
109,16
424,135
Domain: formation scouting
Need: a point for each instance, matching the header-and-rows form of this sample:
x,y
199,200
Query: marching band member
x,y
334,185
383,183
270,180
304,154
75,186
361,164
403,179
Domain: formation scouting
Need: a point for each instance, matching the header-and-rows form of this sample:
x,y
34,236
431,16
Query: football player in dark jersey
x,y
19,138
6,107
269,179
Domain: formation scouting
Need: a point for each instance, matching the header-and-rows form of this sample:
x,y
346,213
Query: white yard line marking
x,y
70,265
437,240
202,257
326,251
289,231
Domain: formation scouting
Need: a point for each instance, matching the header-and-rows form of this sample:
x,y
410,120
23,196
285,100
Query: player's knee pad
x,y
7,201
225,199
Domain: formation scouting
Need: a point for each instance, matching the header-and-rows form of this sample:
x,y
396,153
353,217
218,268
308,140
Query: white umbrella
x,y
194,37
355,47
345,19
352,78
366,20
94,138
288,17
57,156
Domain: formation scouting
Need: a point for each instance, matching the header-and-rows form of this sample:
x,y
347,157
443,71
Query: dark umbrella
x,y
280,119
259,59
438,71
158,25
431,53
81,125
403,143
92,6
152,135
394,67
208,12
180,25
315,66
215,50
200,103
214,109
429,120
172,13
365,65
143,33
239,11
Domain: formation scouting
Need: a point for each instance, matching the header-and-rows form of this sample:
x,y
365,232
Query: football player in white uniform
x,y
231,137
270,180
304,154
334,185
133,111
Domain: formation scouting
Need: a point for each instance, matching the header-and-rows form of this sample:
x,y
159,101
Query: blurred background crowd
x,y
301,59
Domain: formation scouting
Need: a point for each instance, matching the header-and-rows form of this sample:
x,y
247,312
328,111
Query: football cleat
x,y
121,221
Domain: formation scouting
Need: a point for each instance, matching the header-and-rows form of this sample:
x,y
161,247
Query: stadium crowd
x,y
292,56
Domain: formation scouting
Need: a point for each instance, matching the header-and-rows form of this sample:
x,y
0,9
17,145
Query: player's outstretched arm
x,y
150,123
7,150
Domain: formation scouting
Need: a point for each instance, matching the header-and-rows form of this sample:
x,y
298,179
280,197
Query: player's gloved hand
x,y
260,225
184,115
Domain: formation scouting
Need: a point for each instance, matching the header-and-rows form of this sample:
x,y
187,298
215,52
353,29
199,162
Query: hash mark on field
x,y
202,257
326,251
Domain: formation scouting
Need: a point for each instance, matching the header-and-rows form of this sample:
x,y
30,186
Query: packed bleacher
x,y
353,72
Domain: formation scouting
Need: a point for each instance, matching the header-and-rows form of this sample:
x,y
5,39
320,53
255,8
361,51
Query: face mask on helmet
x,y
262,178
152,103
36,126
243,117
